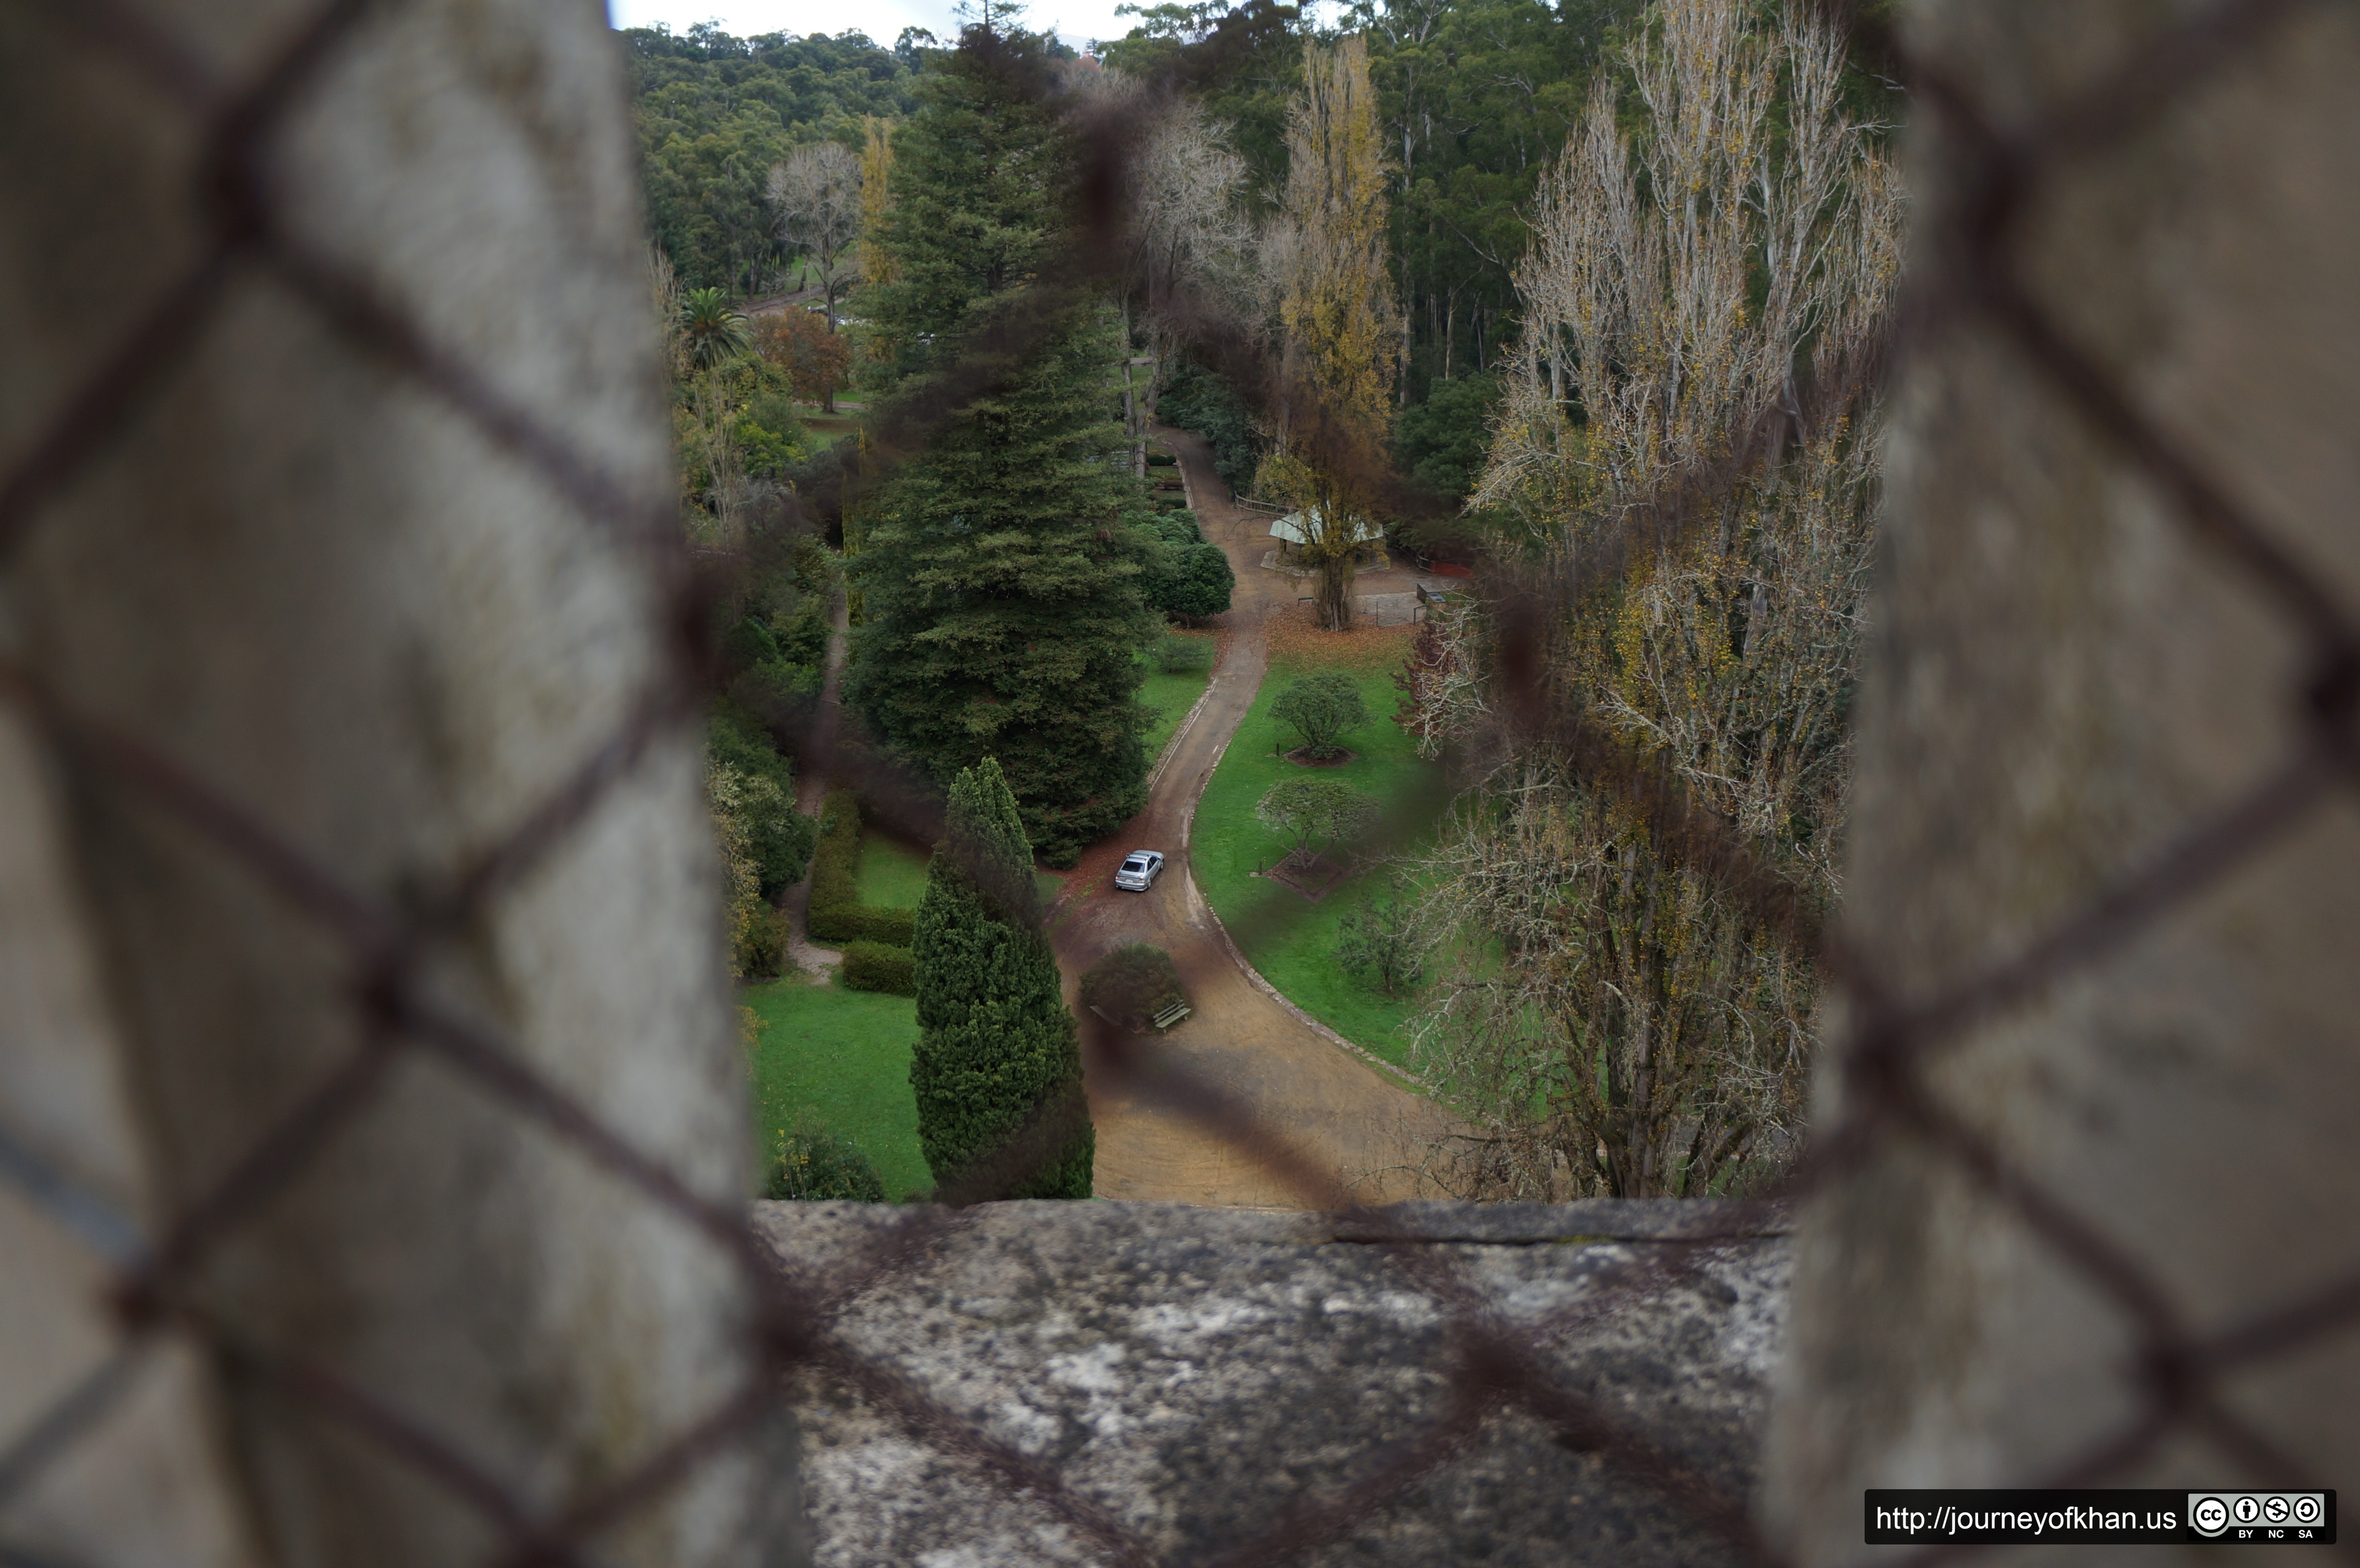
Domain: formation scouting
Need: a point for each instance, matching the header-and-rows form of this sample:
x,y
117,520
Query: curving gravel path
x,y
1335,1113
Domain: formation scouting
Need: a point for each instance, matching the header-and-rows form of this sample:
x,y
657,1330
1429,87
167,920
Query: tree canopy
x,y
1002,597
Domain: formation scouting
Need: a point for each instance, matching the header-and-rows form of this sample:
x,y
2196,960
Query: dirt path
x,y
1335,1110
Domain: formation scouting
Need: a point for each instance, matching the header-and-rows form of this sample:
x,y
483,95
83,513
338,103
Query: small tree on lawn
x,y
1308,810
1377,944
1320,707
997,1070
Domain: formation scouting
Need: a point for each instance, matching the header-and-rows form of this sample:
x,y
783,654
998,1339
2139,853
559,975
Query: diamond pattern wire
x,y
1493,1365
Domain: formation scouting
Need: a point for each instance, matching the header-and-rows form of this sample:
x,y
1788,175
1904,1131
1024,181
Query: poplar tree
x,y
1338,311
998,1068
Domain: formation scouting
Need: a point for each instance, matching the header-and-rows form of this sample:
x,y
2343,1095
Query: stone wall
x,y
1201,1376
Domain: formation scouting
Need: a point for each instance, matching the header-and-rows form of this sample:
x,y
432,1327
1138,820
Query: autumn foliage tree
x,y
816,360
1337,317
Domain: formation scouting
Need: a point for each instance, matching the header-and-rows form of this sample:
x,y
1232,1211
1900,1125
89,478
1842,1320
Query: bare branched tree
x,y
1190,237
1661,1027
817,192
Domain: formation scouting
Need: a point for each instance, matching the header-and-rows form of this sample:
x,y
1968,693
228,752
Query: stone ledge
x,y
1201,1374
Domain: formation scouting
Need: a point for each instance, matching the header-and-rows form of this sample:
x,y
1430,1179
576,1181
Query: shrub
x,y
1187,576
775,687
1327,810
762,945
812,1165
1176,654
1162,460
1133,984
778,838
802,637
1320,707
876,966
749,643
1205,582
1377,944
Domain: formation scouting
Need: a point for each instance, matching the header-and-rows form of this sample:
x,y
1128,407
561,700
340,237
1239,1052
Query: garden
x,y
1291,938
825,1057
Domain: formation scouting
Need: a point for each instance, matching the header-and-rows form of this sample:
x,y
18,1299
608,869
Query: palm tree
x,y
715,329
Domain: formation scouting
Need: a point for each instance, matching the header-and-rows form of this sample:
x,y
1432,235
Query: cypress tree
x,y
1001,573
997,1053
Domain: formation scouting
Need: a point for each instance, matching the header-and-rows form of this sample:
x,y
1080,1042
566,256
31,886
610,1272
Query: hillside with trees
x,y
716,114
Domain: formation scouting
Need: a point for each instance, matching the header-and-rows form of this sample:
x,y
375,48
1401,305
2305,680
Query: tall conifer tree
x,y
1001,573
997,1070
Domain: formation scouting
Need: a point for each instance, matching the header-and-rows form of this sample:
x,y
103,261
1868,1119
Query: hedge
x,y
835,862
858,922
835,912
874,966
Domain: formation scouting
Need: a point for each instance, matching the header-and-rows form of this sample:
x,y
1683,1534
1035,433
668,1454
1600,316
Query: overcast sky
x,y
1074,21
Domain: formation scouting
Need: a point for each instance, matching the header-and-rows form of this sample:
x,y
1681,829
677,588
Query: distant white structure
x,y
1291,529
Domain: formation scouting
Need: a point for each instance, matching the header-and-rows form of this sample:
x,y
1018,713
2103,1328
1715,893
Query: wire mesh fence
x,y
1969,278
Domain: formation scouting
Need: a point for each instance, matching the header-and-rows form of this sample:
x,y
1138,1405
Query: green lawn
x,y
1289,939
893,874
1169,697
844,1056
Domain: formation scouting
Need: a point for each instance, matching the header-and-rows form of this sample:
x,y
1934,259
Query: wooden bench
x,y
1164,1020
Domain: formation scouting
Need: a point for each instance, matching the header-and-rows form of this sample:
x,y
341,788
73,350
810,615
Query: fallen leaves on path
x,y
1296,642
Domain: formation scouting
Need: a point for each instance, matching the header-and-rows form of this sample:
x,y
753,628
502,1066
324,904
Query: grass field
x,y
844,1057
1290,940
893,875
1170,697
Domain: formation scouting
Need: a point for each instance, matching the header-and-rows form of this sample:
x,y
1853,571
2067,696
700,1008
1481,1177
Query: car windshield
x,y
1136,863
